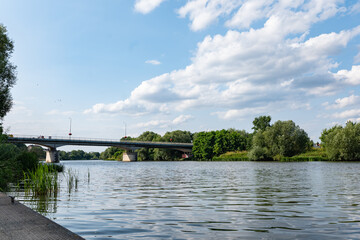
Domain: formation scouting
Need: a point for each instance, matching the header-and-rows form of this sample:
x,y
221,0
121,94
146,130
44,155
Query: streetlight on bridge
x,y
70,128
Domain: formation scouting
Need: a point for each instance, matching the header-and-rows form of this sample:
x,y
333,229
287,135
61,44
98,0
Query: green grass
x,y
72,180
43,181
315,154
232,156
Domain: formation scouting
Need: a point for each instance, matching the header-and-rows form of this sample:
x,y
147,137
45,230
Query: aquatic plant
x,y
42,181
72,179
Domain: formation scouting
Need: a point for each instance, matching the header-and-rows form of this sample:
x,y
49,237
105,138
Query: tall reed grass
x,y
43,181
72,179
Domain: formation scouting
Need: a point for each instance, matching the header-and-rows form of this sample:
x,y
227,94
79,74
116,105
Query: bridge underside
x,y
52,155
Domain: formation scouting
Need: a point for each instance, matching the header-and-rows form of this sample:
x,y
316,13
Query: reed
x,y
43,181
72,179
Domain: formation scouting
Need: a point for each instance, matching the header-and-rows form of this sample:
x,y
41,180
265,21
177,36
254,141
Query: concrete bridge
x,y
52,143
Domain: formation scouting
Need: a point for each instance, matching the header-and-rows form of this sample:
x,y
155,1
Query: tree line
x,y
278,141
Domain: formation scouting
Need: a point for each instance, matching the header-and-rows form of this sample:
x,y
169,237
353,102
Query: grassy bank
x,y
232,156
315,154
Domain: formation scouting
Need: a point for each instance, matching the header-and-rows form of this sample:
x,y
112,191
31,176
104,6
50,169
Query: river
x,y
207,200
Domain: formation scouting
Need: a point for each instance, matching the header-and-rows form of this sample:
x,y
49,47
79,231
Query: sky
x,y
195,65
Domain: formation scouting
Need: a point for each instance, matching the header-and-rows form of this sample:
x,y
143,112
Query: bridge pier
x,y
52,155
129,156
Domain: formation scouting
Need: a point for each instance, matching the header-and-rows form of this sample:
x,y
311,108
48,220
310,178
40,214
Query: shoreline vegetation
x,y
282,141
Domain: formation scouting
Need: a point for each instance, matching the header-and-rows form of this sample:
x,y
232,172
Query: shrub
x,y
28,161
258,153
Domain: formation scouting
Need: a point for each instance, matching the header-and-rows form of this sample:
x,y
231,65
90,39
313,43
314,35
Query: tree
x,y
342,143
7,72
109,153
203,148
261,123
39,151
283,139
174,136
147,153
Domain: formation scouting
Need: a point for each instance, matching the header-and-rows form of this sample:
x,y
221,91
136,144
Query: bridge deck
x,y
61,141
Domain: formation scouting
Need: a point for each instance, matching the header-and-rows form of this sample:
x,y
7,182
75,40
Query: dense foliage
x,y
14,161
145,154
283,139
342,143
214,143
151,154
168,154
261,123
7,72
39,151
113,153
78,155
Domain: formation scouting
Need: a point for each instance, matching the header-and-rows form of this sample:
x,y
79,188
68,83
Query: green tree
x,y
174,136
203,146
283,139
261,123
7,72
146,154
342,143
109,153
39,151
221,142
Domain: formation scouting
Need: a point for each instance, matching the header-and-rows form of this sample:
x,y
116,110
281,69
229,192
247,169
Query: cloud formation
x,y
153,62
165,123
146,6
242,71
344,102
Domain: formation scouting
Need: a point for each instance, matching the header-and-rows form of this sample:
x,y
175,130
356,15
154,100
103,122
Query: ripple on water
x,y
209,200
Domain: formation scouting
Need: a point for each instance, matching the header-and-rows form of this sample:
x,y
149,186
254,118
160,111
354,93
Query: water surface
x,y
208,200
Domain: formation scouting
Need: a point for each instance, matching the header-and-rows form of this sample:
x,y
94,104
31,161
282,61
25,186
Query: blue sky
x,y
196,65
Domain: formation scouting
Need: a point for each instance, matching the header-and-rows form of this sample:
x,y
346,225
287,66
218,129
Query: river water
x,y
207,200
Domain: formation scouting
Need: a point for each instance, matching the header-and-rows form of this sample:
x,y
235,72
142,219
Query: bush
x,y
28,161
258,153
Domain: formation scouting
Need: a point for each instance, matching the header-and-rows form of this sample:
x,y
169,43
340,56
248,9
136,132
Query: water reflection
x,y
43,204
208,200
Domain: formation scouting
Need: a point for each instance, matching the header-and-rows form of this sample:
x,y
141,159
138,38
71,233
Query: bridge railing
x,y
61,138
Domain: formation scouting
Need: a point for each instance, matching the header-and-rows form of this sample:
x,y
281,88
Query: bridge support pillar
x,y
52,155
129,156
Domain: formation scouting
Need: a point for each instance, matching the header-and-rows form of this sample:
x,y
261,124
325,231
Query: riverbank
x,y
18,222
315,154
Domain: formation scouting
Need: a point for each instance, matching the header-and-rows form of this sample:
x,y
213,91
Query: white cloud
x,y
240,113
357,57
153,123
146,6
181,119
355,8
165,123
202,13
351,77
344,102
240,71
353,113
249,12
153,62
